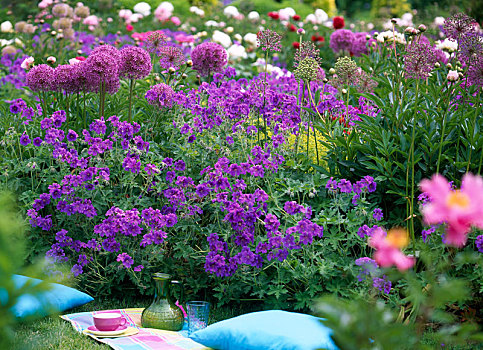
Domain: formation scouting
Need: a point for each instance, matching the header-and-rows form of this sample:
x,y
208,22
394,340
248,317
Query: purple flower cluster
x,y
383,284
365,185
209,58
160,95
428,232
345,41
479,243
419,60
368,271
100,71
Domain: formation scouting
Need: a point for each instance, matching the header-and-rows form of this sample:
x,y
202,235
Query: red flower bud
x,y
296,44
296,17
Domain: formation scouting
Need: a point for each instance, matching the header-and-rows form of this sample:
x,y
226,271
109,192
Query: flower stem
x,y
411,208
131,87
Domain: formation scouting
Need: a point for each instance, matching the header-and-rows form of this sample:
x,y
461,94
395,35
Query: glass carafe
x,y
163,313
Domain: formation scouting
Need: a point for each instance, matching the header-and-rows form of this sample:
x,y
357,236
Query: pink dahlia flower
x,y
459,209
388,247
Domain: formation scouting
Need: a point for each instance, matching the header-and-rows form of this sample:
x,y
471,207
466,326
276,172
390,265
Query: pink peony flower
x,y
183,38
91,20
164,11
176,21
27,62
459,209
388,247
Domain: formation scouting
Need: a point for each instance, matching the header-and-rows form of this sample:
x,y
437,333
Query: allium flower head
x,y
65,78
135,63
209,58
458,25
419,60
341,41
388,247
269,40
171,57
102,66
41,78
459,209
307,69
475,73
359,44
82,11
471,48
155,41
346,71
307,49
60,10
160,95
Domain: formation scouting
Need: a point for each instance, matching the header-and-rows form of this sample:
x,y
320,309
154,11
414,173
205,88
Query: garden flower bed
x,y
296,160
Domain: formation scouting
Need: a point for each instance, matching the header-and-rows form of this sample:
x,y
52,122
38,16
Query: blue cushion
x,y
267,330
57,299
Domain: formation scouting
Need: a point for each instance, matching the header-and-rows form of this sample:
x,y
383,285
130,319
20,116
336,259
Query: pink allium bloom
x,y
388,251
91,20
459,209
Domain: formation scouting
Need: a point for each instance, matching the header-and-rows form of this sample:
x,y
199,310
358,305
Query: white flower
x,y
4,42
197,11
447,45
452,75
231,11
221,38
370,26
135,18
236,52
6,27
254,16
311,18
286,13
229,30
51,59
438,21
27,62
321,15
73,61
125,14
18,42
250,39
238,37
211,23
143,8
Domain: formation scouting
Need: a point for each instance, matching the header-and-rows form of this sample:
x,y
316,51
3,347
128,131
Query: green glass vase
x,y
163,313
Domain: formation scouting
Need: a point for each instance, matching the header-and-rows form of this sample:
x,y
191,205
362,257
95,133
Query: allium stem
x,y
472,136
411,209
85,112
443,129
132,82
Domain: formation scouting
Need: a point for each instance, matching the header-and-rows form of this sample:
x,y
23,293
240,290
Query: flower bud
x,y
452,76
189,63
171,70
449,66
344,91
79,52
53,33
51,59
368,37
332,71
437,65
394,20
422,28
325,80
184,76
301,31
157,78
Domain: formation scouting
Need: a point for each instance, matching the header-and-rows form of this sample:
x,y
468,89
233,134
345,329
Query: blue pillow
x,y
280,330
57,299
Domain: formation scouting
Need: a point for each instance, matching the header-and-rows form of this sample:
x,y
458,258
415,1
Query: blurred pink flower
x,y
176,21
164,11
183,38
91,20
459,209
388,246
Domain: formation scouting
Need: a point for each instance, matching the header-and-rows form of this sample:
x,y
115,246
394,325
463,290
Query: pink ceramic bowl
x,y
108,321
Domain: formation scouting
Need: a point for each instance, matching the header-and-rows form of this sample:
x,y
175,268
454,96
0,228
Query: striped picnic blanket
x,y
146,339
